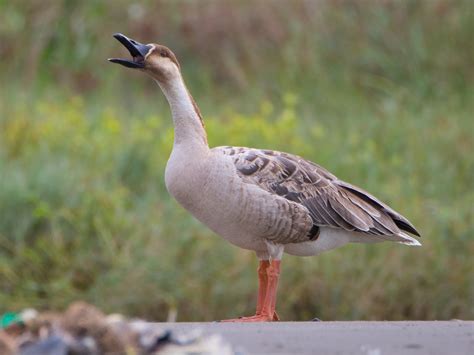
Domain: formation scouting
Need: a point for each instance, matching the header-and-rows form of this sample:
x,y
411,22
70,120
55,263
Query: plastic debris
x,y
9,318
84,329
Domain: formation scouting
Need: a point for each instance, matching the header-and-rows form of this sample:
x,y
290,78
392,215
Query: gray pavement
x,y
327,338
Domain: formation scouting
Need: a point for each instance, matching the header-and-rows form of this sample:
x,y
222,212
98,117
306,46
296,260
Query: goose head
x,y
156,60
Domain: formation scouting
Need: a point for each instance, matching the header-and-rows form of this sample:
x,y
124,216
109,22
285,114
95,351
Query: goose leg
x,y
262,284
273,275
268,275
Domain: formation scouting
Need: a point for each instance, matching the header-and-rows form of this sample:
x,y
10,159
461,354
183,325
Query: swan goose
x,y
262,200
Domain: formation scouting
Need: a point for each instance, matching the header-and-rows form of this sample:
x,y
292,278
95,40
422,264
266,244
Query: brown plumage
x,y
330,202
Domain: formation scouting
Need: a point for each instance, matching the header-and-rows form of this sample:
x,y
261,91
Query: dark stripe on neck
x,y
198,113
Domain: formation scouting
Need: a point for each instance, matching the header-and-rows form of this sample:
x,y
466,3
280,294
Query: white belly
x,y
329,238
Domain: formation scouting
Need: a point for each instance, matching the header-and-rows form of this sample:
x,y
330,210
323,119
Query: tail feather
x,y
408,240
401,238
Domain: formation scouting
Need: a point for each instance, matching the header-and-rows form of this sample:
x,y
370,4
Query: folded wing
x,y
330,201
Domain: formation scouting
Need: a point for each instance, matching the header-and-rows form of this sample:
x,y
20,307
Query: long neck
x,y
188,125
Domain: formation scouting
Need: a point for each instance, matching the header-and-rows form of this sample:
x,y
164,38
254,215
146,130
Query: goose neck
x,y
188,124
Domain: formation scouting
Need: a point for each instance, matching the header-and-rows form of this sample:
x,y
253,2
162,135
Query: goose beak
x,y
137,50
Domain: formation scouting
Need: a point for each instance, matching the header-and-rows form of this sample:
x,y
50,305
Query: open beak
x,y
137,50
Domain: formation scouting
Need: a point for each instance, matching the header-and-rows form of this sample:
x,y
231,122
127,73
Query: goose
x,y
262,200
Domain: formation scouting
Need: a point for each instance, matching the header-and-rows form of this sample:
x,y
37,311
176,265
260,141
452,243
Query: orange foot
x,y
255,318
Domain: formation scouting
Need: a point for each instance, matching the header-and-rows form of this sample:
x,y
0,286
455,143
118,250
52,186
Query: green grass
x,y
382,97
85,214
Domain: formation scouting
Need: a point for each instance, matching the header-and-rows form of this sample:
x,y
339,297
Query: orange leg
x,y
262,284
268,275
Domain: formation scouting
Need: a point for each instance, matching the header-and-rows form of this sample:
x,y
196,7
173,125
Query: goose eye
x,y
164,53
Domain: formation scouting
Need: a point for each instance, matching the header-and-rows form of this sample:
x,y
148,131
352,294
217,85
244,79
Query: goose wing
x,y
330,201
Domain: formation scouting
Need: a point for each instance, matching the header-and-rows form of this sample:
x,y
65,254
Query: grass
x,y
382,98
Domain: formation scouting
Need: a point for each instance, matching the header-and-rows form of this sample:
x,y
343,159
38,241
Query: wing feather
x,y
329,201
323,213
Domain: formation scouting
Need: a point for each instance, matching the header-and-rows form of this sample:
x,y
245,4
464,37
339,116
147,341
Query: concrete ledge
x,y
327,338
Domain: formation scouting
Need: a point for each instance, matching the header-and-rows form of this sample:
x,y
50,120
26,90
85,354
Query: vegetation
x,y
378,92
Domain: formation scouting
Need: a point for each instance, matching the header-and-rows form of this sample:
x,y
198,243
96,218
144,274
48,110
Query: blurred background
x,y
378,92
